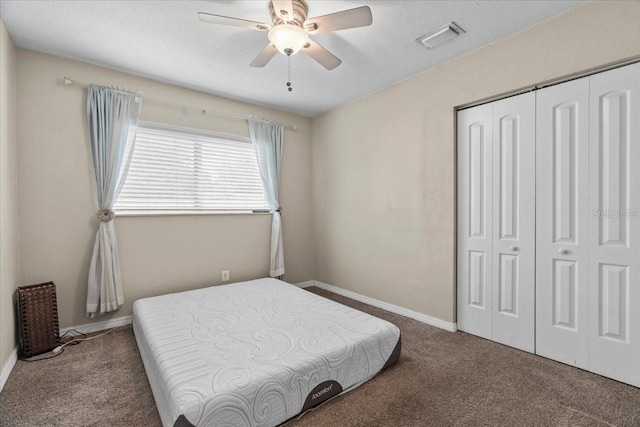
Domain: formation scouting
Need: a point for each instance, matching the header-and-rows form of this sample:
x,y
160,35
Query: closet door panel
x,y
562,222
475,256
514,221
614,249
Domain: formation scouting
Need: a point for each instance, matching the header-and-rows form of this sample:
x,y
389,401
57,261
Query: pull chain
x,y
289,88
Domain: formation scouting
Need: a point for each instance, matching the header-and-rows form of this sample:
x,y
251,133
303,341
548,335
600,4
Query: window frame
x,y
190,212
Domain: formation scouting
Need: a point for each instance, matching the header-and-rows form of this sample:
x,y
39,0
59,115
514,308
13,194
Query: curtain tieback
x,y
105,215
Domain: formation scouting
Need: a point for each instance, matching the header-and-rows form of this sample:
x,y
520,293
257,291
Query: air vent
x,y
441,35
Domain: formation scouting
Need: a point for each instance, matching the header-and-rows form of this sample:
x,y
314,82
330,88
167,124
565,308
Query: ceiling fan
x,y
291,29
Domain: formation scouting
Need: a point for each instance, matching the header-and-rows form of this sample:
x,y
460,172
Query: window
x,y
184,170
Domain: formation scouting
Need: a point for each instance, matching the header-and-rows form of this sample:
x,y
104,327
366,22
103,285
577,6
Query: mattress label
x,y
321,393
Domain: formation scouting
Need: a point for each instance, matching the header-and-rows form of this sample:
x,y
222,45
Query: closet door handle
x,y
514,248
563,251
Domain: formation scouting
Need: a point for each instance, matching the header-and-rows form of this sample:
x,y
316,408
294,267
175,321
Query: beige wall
x,y
384,165
158,254
382,213
9,265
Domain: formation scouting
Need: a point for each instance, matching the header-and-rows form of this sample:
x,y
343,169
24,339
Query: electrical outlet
x,y
225,276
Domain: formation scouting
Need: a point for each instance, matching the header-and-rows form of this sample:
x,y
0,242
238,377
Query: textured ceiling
x,y
164,40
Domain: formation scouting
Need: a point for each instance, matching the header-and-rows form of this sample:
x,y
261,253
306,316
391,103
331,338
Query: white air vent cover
x,y
440,36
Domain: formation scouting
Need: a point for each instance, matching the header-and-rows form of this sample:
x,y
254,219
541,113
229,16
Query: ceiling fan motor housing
x,y
300,10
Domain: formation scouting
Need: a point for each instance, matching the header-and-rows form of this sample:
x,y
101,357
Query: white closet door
x,y
514,221
562,222
474,220
614,249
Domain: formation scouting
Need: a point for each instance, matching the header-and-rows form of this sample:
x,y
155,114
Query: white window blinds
x,y
176,169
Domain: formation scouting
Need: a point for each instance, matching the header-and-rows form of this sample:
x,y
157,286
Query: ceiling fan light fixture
x,y
288,39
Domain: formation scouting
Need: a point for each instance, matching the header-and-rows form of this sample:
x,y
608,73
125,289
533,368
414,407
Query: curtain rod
x,y
71,82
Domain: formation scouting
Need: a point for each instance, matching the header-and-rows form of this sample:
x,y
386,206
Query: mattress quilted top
x,y
250,353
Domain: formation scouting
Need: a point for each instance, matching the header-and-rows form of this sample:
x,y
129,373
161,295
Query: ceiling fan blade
x,y
264,56
352,18
234,22
284,9
321,55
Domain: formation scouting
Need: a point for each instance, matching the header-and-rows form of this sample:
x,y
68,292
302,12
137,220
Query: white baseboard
x,y
433,321
99,326
303,285
8,367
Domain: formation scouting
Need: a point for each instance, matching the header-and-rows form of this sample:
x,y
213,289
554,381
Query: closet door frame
x,y
612,314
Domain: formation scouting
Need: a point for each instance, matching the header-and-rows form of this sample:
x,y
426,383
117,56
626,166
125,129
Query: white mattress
x,y
248,354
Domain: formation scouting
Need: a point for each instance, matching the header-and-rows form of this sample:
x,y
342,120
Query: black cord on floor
x,y
73,336
74,339
38,358
71,340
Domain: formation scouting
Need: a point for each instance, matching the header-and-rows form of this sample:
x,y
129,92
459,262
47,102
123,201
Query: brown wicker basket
x,y
38,328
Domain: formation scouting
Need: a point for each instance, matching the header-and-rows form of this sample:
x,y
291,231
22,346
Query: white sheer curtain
x,y
113,117
267,138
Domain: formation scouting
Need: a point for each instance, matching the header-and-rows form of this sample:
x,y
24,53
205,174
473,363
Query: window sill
x,y
189,213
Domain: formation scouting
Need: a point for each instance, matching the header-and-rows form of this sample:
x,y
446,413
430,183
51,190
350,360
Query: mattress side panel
x,y
153,375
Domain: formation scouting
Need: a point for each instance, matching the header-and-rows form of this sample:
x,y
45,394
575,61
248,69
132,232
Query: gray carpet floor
x,y
442,379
